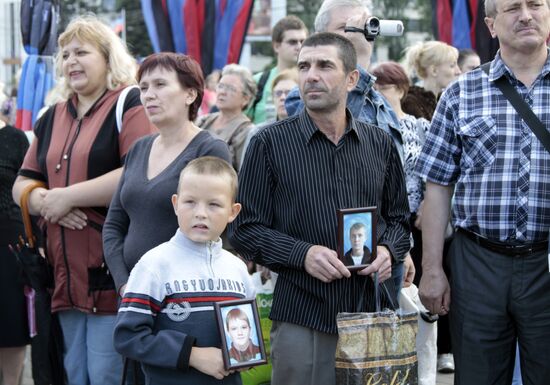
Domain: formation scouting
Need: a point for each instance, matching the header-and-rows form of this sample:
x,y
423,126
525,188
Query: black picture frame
x,y
239,310
354,220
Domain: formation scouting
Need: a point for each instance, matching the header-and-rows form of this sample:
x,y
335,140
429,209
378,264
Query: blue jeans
x,y
89,355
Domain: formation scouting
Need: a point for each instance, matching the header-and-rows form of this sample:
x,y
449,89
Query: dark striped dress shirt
x,y
292,181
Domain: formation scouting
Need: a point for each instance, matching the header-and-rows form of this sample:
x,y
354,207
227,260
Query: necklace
x,y
66,152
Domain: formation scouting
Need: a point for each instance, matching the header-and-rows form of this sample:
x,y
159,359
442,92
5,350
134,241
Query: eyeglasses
x,y
227,87
293,42
280,93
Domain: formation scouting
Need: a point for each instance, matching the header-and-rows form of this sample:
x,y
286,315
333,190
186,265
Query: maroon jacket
x,y
93,147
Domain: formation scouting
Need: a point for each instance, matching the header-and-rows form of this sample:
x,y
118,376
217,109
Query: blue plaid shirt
x,y
479,143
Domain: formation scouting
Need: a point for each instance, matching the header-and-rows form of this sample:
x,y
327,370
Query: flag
x,y
210,31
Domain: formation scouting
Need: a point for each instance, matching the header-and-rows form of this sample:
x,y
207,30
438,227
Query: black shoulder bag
x,y
522,108
260,91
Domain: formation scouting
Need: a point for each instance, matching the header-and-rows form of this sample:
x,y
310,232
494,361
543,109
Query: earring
x,y
110,79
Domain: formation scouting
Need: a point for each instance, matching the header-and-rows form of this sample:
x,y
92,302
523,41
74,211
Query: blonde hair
x,y
212,165
236,314
288,74
89,29
422,55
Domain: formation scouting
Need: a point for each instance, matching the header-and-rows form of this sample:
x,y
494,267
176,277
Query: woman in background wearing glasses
x,y
283,83
234,93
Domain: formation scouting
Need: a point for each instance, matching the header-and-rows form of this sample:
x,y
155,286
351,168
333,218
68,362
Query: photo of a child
x,y
240,336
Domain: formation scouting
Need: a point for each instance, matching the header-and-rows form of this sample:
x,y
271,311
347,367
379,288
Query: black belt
x,y
505,248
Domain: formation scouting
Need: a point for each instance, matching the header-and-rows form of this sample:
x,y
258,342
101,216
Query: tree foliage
x,y
402,10
305,10
137,37
136,32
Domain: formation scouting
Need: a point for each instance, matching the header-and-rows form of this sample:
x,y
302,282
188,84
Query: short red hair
x,y
188,71
393,73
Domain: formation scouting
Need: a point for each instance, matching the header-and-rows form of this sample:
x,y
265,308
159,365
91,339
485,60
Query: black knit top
x,y
13,146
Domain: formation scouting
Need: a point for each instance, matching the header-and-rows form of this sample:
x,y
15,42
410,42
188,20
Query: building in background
x,y
11,49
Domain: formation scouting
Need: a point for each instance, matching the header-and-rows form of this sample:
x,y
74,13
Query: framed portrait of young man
x,y
357,237
241,334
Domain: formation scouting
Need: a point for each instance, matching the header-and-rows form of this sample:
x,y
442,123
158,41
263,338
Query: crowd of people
x,y
158,193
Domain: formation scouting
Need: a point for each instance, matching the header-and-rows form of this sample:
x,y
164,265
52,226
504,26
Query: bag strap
x,y
522,108
24,204
120,106
377,288
260,91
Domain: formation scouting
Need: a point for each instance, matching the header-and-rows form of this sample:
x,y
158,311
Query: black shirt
x,y
13,146
292,181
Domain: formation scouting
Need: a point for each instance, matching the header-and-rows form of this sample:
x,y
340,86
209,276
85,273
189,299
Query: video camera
x,y
376,27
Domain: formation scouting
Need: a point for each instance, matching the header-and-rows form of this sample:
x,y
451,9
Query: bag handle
x,y
24,204
377,288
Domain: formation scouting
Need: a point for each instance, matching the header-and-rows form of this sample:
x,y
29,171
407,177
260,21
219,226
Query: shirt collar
x,y
499,68
309,128
183,241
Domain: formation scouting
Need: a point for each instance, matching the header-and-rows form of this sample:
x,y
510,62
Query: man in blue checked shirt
x,y
480,148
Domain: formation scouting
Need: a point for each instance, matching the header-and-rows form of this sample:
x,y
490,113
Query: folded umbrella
x,y
47,337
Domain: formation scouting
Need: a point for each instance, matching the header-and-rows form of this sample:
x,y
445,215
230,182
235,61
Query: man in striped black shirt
x,y
295,175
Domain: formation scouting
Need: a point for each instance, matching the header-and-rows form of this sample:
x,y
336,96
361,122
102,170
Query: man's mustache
x,y
313,88
525,25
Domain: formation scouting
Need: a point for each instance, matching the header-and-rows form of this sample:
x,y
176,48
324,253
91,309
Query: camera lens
x,y
374,22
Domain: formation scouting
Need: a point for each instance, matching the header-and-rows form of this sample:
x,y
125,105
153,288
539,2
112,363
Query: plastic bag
x,y
426,339
259,375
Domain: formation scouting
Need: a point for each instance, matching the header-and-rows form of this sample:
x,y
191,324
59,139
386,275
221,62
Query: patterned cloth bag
x,y
377,348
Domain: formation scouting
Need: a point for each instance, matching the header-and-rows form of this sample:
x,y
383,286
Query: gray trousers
x,y
302,356
494,300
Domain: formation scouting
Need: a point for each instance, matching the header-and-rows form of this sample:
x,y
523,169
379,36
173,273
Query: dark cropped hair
x,y
346,51
188,71
287,23
391,72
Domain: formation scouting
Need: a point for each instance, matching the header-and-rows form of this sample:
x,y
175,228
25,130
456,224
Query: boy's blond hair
x,y
236,314
211,165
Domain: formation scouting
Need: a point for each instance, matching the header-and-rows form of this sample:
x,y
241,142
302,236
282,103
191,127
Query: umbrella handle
x,y
24,204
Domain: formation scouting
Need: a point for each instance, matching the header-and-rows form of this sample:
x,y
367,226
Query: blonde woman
x,y
234,93
79,152
435,64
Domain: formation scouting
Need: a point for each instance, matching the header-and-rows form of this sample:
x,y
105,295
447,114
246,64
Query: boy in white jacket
x,y
166,319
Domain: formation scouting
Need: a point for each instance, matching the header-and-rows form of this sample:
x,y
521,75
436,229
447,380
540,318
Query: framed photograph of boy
x,y
241,334
357,237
